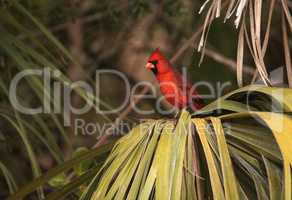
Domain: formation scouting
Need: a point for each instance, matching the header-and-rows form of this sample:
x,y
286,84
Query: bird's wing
x,y
189,92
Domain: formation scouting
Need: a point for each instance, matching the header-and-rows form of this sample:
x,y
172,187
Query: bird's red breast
x,y
177,90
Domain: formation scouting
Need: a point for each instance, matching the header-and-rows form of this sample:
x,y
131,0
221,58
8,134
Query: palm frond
x,y
249,17
237,147
240,154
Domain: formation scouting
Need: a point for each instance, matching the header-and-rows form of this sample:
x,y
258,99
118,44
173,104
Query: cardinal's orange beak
x,y
149,66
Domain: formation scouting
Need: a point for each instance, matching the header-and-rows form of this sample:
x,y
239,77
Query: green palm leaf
x,y
243,154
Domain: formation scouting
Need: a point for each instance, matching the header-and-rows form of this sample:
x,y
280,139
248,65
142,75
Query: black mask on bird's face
x,y
152,65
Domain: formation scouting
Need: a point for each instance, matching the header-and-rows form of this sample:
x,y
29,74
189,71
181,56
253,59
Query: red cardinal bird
x,y
177,91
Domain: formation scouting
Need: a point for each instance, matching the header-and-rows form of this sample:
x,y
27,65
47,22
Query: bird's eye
x,y
154,62
155,68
